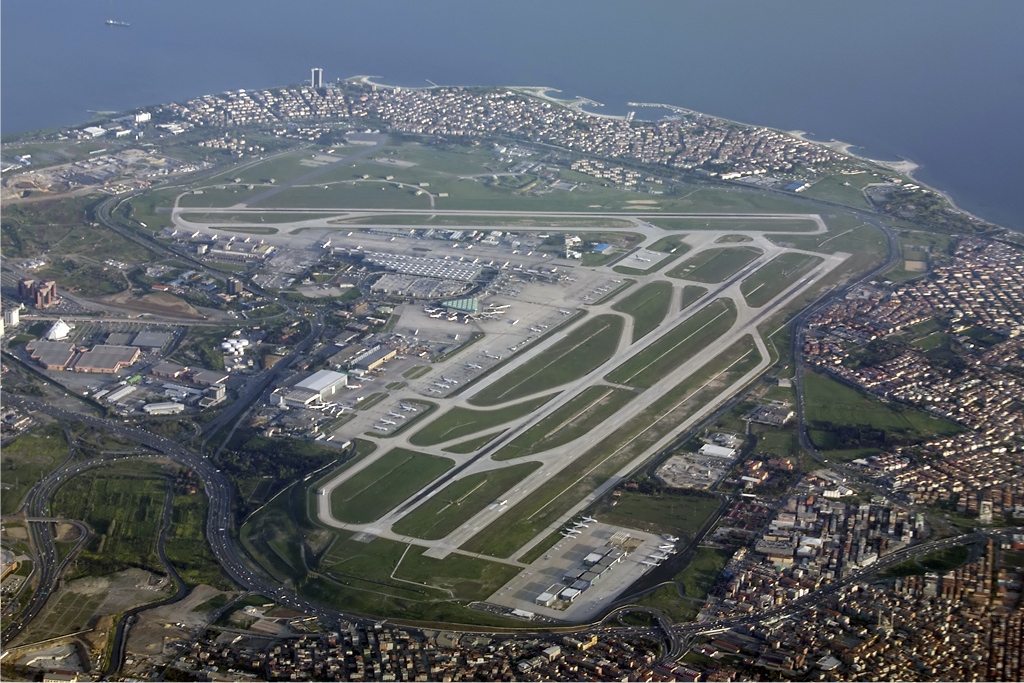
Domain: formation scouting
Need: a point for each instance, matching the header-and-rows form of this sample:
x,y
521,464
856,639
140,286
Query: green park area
x,y
647,305
515,528
678,513
385,483
459,421
579,352
578,416
843,189
675,347
715,265
458,502
380,577
776,276
847,424
27,459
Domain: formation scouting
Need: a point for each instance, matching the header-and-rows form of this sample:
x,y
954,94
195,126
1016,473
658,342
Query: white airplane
x,y
442,386
492,356
387,422
409,408
581,525
641,258
659,558
588,519
449,381
380,429
671,548
434,391
514,322
565,535
474,366
571,531
353,386
394,414
651,564
670,539
565,312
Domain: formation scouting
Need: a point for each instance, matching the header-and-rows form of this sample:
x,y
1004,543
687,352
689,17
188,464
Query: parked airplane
x,y
641,258
449,381
514,322
394,414
492,356
671,548
659,558
588,519
581,525
387,422
409,408
651,564
670,539
565,312
380,429
474,366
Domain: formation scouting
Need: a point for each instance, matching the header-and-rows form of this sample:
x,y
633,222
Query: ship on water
x,y
114,22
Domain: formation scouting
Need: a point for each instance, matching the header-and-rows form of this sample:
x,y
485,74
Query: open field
x,y
459,421
727,239
458,502
371,492
628,270
715,265
648,306
186,546
27,459
843,189
753,223
124,504
677,513
691,293
673,244
597,464
774,277
682,600
675,347
590,408
385,577
572,357
849,424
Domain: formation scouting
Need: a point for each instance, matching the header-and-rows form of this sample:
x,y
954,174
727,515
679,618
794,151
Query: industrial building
x,y
325,383
374,359
105,358
168,408
207,378
52,355
152,341
167,370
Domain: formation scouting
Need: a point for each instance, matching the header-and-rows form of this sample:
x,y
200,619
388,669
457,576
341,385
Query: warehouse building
x,y
152,341
325,383
107,359
374,359
52,355
168,408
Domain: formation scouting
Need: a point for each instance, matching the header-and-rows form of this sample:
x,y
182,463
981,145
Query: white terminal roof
x,y
322,379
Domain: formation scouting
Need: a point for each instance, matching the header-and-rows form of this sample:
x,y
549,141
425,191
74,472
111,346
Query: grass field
x,y
124,504
185,544
395,476
474,444
715,265
27,459
587,410
648,306
596,465
691,293
682,600
833,406
774,277
673,244
575,355
676,346
753,223
510,222
678,514
726,239
458,502
843,189
628,270
387,578
459,421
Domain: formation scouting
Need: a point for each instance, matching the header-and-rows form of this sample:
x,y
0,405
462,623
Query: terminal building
x,y
319,387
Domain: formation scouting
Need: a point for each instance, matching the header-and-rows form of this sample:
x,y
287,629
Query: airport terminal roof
x,y
321,380
466,305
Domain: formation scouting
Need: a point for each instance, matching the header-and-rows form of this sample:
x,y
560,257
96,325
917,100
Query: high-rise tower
x,y
317,78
